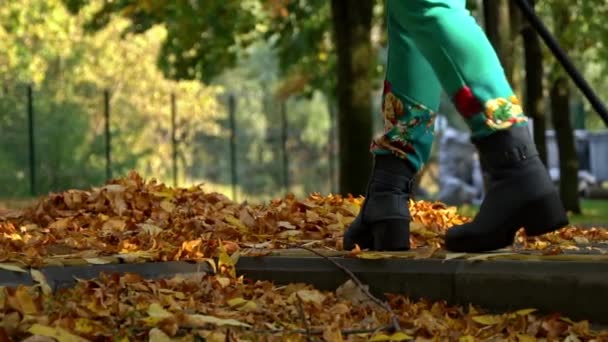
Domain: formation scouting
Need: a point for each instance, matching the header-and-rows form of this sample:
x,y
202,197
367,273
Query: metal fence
x,y
39,143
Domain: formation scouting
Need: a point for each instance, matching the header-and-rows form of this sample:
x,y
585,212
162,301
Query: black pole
x,y
561,56
332,146
106,112
233,170
30,122
173,138
284,136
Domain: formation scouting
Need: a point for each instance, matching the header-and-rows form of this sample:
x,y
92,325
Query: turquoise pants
x,y
435,44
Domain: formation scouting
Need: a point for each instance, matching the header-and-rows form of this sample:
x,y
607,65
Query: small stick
x,y
384,305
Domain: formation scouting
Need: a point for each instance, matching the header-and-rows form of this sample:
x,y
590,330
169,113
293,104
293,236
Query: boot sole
x,y
545,215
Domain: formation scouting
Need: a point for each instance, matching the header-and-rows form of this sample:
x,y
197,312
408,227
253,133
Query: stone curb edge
x,y
578,290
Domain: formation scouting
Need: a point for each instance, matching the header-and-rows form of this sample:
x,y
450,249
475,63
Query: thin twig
x,y
303,317
394,321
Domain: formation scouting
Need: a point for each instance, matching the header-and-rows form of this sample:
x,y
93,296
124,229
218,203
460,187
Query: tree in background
x,y
204,39
42,44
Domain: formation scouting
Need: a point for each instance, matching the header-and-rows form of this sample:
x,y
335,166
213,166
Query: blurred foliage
x,y
42,44
261,51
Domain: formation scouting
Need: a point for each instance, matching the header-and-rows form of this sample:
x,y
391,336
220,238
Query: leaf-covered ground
x,y
222,308
131,219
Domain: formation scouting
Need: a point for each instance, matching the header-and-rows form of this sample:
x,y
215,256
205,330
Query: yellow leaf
x,y
156,310
99,261
398,336
567,320
225,262
450,256
467,338
488,319
168,194
370,255
524,312
39,277
59,334
236,222
157,335
84,326
242,304
26,302
223,281
12,267
311,296
197,321
488,256
525,338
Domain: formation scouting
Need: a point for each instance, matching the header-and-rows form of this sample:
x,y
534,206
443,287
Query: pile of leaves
x,y
223,308
131,219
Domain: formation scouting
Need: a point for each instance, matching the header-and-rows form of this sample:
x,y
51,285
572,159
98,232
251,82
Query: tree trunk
x,y
352,21
568,161
534,105
497,24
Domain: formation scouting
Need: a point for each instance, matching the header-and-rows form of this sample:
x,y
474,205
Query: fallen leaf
x,y
157,335
39,277
99,261
150,228
12,267
371,255
488,319
198,321
286,225
524,312
236,222
157,311
398,336
525,338
313,296
59,334
25,300
242,304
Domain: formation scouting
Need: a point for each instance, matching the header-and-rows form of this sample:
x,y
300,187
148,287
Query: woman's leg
x,y
520,192
410,99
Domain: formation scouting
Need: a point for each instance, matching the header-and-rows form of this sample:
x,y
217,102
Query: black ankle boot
x,y
384,220
520,194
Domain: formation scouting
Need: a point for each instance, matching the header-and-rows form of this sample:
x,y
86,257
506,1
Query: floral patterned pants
x,y
435,44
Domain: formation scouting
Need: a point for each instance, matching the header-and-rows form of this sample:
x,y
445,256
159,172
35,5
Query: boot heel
x,y
545,215
391,235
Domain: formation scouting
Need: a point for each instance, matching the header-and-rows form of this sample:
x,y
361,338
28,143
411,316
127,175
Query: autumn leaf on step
x,y
39,277
225,262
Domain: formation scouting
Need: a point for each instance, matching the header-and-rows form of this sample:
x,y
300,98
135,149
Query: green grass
x,y
595,212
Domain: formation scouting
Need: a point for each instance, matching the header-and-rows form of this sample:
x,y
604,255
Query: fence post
x,y
233,166
332,146
106,112
173,138
284,136
32,148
